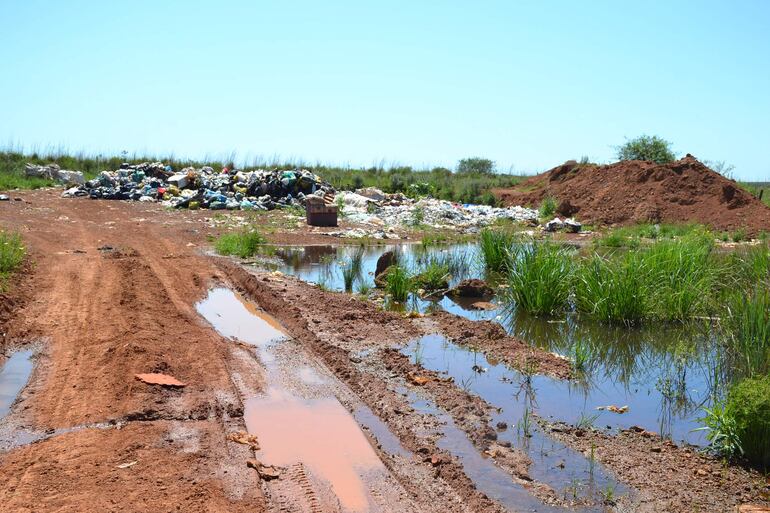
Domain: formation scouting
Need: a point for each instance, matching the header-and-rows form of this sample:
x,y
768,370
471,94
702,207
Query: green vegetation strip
x,y
12,254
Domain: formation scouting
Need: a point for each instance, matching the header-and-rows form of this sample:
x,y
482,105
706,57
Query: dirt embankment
x,y
668,477
685,191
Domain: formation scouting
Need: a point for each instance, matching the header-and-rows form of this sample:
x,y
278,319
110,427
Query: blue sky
x,y
527,84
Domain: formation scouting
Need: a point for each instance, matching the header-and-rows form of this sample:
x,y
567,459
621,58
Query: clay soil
x,y
685,191
110,292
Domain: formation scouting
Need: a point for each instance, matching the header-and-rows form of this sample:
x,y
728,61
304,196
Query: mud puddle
x,y
488,477
13,376
301,425
518,397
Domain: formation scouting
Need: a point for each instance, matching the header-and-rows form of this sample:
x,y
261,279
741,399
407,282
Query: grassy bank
x,y
12,252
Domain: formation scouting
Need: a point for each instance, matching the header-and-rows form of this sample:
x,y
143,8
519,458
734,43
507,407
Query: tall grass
x,y
611,289
243,244
748,403
353,269
495,247
12,253
547,208
748,331
433,276
398,283
540,278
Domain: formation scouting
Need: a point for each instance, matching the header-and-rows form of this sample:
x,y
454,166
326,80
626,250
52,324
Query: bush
x,y
476,165
244,244
540,278
547,208
645,147
749,404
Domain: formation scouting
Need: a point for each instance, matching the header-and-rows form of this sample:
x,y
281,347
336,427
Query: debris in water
x,y
418,379
242,437
160,379
483,305
614,409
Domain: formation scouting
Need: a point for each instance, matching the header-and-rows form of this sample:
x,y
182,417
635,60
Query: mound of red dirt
x,y
637,191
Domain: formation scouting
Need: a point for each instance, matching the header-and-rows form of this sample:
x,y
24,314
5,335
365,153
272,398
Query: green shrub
x,y
539,280
721,430
547,208
243,244
749,403
475,165
645,147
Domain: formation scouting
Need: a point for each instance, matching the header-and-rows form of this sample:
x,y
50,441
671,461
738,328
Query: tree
x,y
647,147
476,165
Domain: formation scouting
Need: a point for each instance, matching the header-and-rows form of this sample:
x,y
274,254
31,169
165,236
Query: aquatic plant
x,y
352,270
539,282
433,276
398,283
748,331
243,244
495,247
364,288
611,289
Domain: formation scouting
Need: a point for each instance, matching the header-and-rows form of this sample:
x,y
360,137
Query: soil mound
x,y
637,191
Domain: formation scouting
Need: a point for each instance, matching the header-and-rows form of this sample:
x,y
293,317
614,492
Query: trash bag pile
x,y
54,172
193,188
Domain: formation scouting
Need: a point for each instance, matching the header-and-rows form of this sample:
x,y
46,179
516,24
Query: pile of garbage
x,y
373,207
56,173
204,187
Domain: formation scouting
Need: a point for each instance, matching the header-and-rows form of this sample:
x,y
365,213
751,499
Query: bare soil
x,y
685,191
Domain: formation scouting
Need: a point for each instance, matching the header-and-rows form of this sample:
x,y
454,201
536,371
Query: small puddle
x,y
13,377
298,419
320,434
387,440
567,471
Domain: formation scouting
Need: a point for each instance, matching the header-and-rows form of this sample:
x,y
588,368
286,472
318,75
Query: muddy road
x,y
294,399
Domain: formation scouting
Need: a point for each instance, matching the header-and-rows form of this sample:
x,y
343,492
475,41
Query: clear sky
x,y
527,84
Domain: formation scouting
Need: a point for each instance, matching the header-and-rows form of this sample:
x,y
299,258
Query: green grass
x,y
748,330
610,289
12,252
496,246
540,278
433,276
631,236
398,283
243,244
353,269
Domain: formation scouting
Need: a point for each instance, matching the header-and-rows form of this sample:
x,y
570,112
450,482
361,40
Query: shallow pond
x,y
13,376
664,373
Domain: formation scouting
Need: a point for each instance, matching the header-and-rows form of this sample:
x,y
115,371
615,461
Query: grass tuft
x,y
243,244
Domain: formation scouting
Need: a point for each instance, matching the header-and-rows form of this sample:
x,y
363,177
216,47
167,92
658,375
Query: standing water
x,y
13,376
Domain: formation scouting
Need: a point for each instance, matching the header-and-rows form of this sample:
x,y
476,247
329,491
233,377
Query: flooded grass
x,y
495,247
539,279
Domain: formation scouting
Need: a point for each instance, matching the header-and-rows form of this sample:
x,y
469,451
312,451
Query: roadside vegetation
x,y
244,244
12,252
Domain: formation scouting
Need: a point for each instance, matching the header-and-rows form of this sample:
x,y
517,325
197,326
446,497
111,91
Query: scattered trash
x,y
614,409
127,465
568,225
244,438
201,188
54,172
372,206
483,305
4,197
160,379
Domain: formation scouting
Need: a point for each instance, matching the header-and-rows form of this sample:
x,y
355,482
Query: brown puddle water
x,y
317,432
320,434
